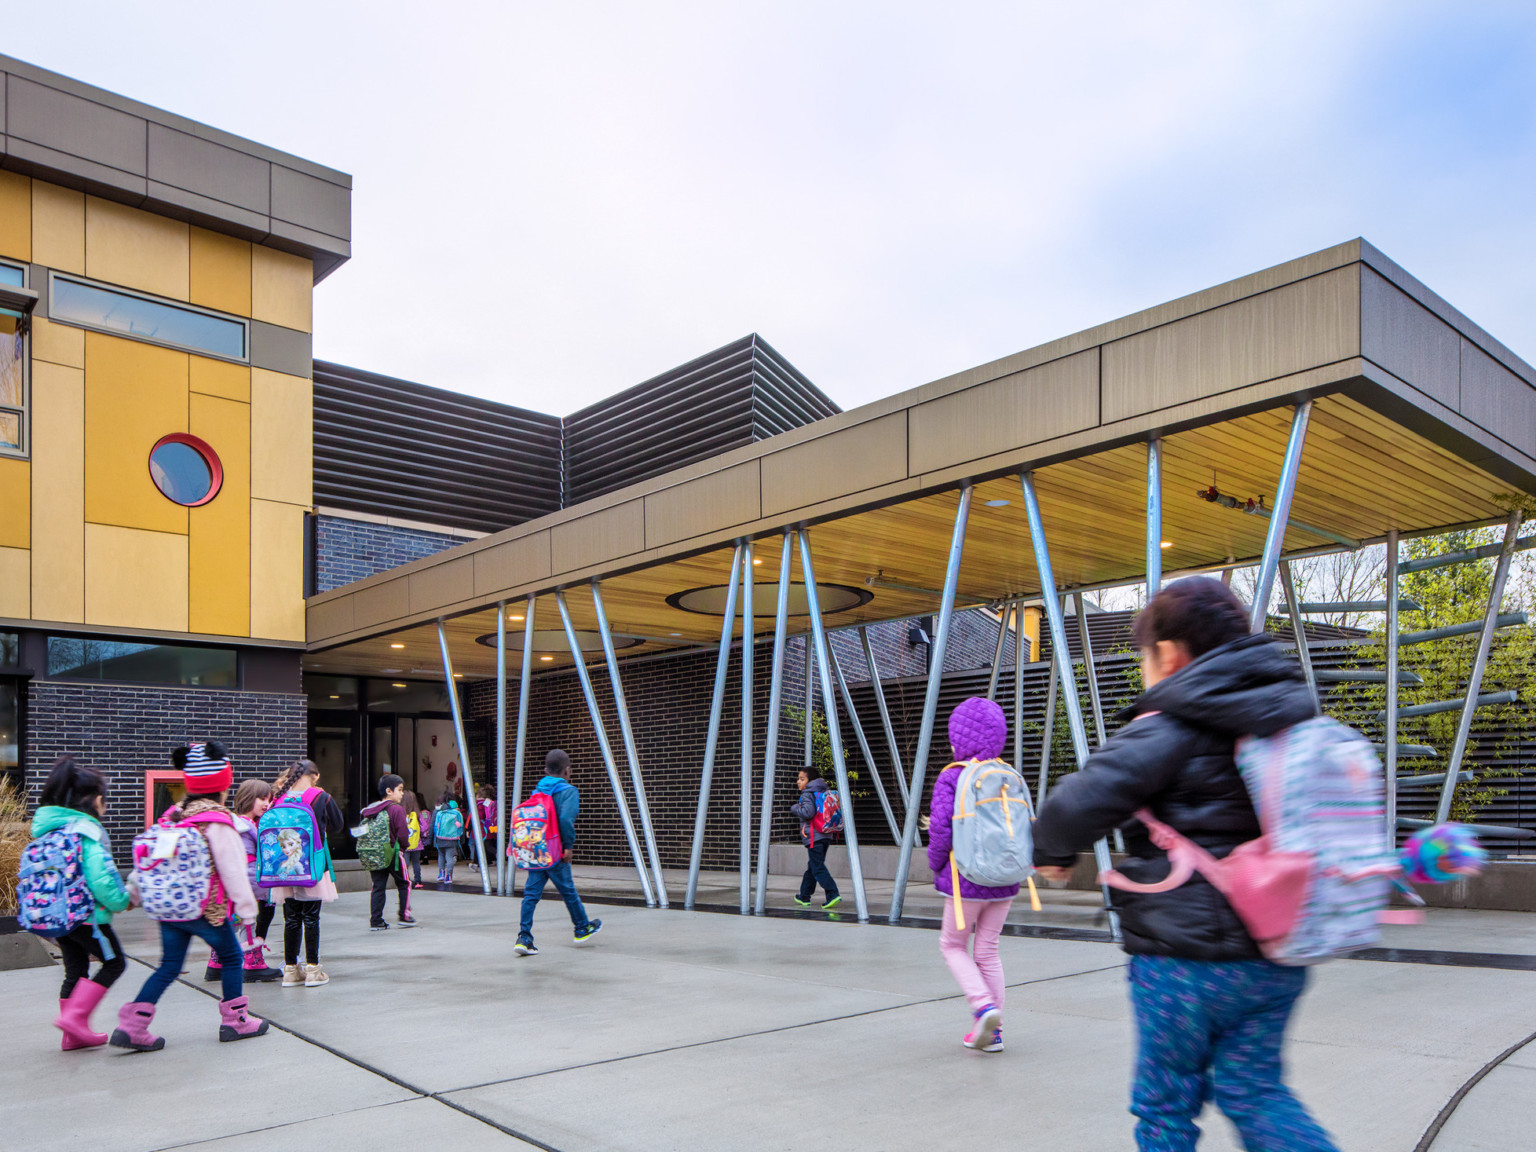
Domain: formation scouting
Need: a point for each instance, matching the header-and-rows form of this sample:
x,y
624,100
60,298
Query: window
x,y
185,469
79,658
13,368
10,649
331,692
125,313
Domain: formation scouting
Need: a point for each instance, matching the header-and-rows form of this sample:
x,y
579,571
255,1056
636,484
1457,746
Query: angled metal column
x,y
775,707
858,733
501,748
627,734
458,735
810,659
1050,733
997,654
1089,669
829,702
1298,628
1154,517
885,715
746,727
1018,687
930,703
1479,666
523,691
1063,661
579,659
1280,512
716,705
1392,686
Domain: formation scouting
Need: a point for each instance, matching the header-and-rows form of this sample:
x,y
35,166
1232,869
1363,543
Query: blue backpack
x,y
289,850
448,824
52,897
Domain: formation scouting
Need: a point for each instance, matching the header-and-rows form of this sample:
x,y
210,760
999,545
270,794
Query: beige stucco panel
x,y
282,288
1286,330
332,617
135,578
851,460
513,563
277,571
282,437
58,227
609,532
58,493
731,496
58,343
1025,407
443,583
137,249
16,583
380,603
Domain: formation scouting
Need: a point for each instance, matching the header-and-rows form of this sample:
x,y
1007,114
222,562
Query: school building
x,y
204,532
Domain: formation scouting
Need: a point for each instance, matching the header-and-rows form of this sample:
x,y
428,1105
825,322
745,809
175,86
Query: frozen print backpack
x,y
993,843
289,851
536,833
52,897
173,871
376,844
448,824
828,820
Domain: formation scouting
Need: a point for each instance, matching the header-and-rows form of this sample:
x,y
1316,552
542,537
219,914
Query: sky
x,y
555,201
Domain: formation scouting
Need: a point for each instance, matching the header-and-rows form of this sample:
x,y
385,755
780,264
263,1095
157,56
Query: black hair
x,y
292,774
1199,613
389,781
811,773
72,785
557,762
448,795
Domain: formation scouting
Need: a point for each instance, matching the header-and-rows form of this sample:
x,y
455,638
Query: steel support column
x,y
810,695
1063,661
579,659
1392,687
1479,666
930,703
716,706
997,654
1089,670
775,707
1298,628
524,686
885,716
627,734
829,702
1154,517
1018,688
501,748
858,733
463,746
1280,512
747,642
1050,734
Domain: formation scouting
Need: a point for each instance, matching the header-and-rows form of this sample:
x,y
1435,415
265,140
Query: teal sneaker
x,y
833,903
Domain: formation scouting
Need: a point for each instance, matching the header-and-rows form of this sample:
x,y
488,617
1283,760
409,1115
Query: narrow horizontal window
x,y
13,367
79,658
125,314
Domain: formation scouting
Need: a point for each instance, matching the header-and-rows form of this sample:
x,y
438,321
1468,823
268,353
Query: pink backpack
x,y
535,842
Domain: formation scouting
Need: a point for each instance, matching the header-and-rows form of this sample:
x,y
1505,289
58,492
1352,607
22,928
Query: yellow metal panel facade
x,y
277,574
58,343
219,545
134,394
58,227
282,437
15,216
16,583
135,579
221,272
282,286
127,246
15,504
219,378
58,493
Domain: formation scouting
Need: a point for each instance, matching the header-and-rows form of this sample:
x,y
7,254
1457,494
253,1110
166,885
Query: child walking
x,y
158,872
978,731
567,802
252,798
413,849
299,783
817,840
447,827
73,800
381,849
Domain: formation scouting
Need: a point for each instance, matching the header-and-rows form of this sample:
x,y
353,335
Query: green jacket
x,y
101,874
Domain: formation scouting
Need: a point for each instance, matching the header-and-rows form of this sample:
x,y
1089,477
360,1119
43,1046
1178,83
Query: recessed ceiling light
x,y
335,697
998,503
674,633
546,657
458,675
1167,544
756,562
397,685
514,617
397,645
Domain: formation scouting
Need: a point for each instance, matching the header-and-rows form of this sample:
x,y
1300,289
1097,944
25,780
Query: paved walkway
x,y
700,1031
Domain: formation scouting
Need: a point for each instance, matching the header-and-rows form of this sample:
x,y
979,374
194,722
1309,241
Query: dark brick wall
x,y
124,730
348,550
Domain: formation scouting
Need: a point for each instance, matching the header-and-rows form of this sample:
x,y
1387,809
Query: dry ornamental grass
x,y
15,832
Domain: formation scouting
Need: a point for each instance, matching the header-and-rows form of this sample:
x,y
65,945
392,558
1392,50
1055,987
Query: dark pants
x,y
175,936
265,911
446,854
76,950
413,862
1209,1030
816,873
301,918
381,880
533,889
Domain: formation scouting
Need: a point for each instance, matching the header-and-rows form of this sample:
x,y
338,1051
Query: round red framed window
x,y
185,469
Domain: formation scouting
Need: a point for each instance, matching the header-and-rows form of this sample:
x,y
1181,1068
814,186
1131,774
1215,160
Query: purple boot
x,y
235,1023
133,1021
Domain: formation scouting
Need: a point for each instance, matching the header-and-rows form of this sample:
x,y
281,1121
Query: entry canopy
x,y
1421,422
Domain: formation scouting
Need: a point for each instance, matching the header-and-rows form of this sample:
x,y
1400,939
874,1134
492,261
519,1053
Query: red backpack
x,y
535,842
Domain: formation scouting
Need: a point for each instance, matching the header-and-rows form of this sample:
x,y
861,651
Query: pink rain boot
x,y
215,969
256,960
133,1021
75,1016
235,1023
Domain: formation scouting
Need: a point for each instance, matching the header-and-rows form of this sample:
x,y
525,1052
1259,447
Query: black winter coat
x,y
1179,763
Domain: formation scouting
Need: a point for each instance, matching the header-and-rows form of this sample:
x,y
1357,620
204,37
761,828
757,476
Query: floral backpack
x,y
52,897
174,874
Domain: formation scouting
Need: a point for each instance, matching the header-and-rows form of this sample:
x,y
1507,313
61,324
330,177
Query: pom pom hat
x,y
978,730
205,768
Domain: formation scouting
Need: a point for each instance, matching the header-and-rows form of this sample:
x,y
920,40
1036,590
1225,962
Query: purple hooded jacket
x,y
977,731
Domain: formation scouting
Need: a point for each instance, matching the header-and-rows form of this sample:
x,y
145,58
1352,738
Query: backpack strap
x,y
1185,857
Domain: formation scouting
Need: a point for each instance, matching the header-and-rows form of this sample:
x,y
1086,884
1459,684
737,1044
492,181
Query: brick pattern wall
x,y
347,550
124,730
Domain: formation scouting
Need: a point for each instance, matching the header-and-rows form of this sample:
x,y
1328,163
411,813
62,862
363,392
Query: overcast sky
x,y
555,201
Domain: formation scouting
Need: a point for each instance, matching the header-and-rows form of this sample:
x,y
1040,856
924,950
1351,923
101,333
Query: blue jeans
x,y
533,889
1210,1030
816,873
175,935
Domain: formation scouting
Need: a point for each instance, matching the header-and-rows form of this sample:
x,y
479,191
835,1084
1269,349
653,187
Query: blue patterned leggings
x,y
1210,1030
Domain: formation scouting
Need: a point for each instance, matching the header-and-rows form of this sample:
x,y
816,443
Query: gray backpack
x,y
993,843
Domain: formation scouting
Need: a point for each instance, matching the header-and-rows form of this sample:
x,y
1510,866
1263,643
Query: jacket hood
x,y
817,785
51,817
1247,687
552,784
375,808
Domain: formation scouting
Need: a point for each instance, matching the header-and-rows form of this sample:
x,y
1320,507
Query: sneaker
x,y
833,903
802,903
989,1023
592,929
314,976
292,976
406,921
996,1044
378,927
525,948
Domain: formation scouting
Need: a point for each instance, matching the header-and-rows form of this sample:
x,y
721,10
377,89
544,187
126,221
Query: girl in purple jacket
x,y
977,731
